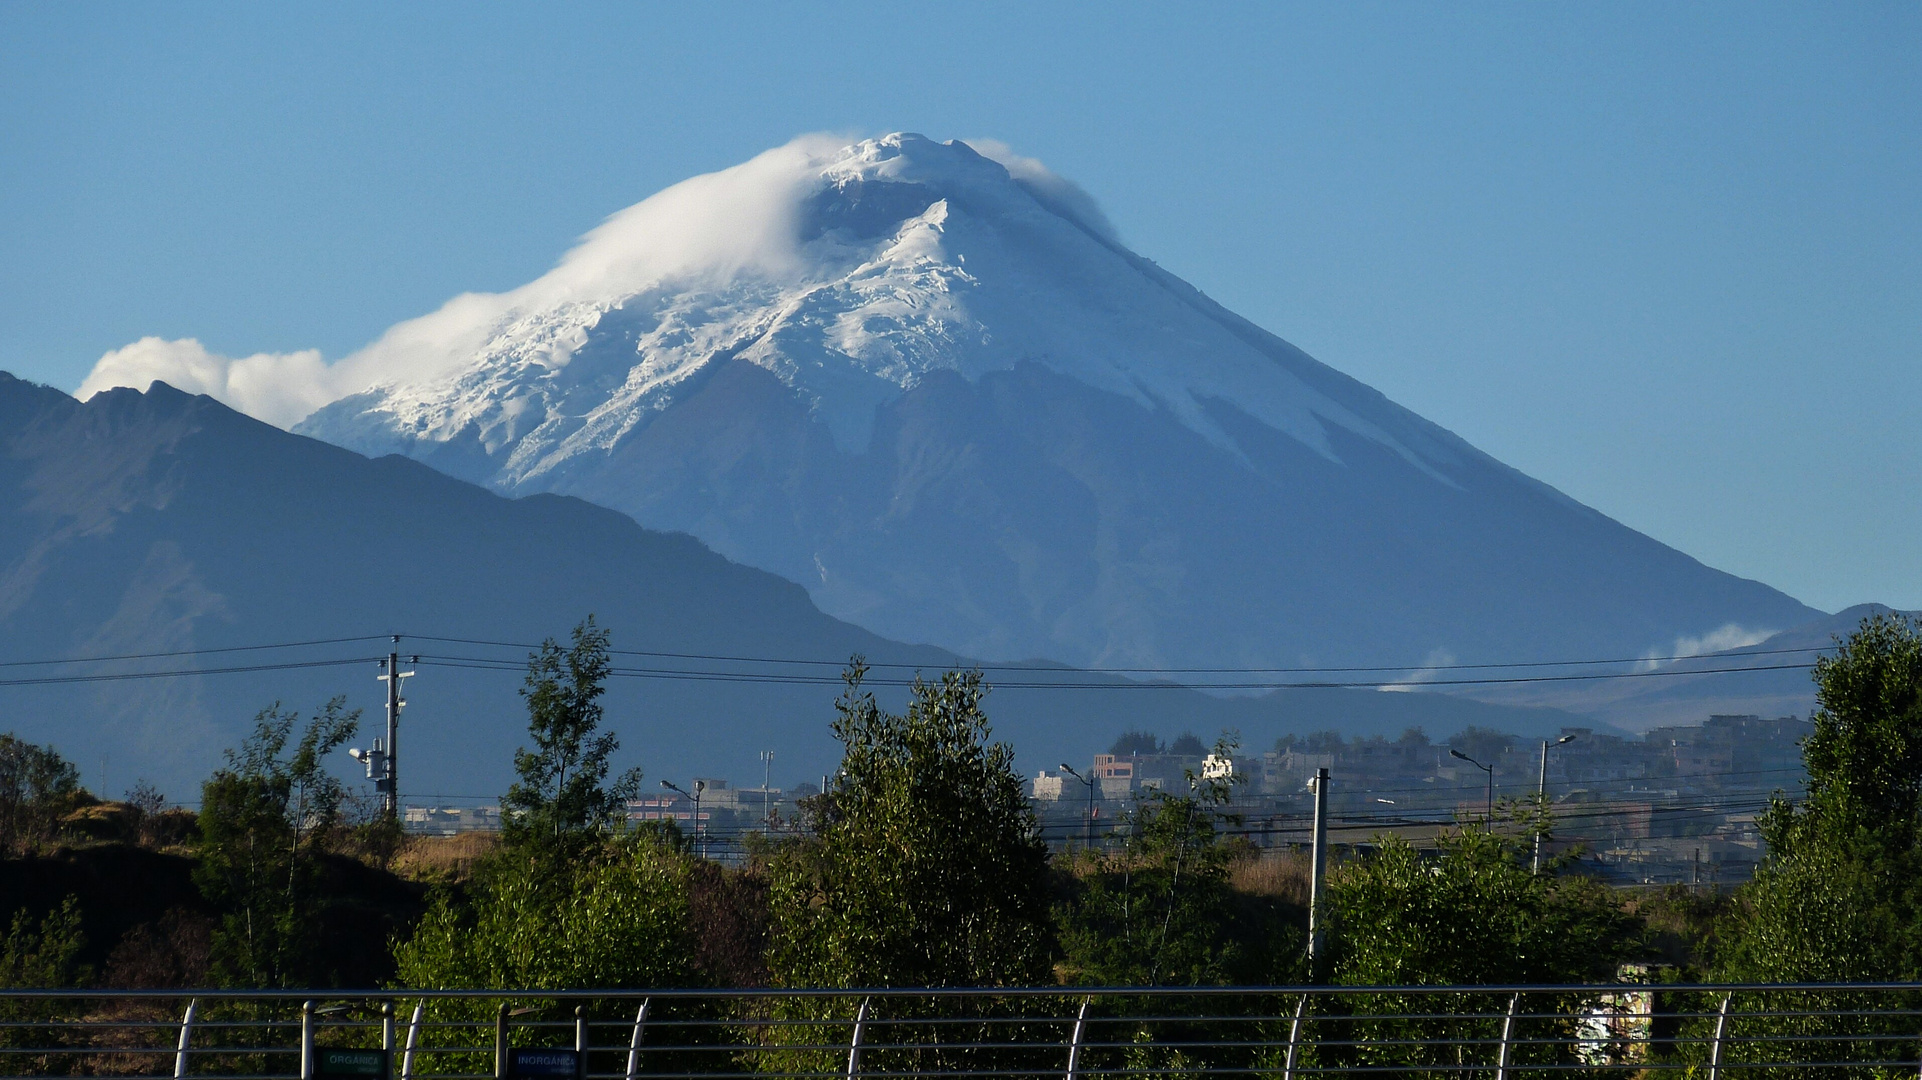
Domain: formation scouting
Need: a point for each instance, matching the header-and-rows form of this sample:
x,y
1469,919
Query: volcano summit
x,y
927,382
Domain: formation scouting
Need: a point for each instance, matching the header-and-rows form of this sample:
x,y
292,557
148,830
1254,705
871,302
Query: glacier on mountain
x,y
928,382
854,273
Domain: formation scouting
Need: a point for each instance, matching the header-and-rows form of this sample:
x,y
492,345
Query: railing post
x,y
1508,1034
854,1045
580,1042
1074,1040
307,1040
634,1043
413,1040
186,1034
1294,1040
387,1029
1721,1032
500,1043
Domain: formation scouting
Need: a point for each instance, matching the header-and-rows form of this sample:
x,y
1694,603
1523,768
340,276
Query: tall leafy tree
x,y
561,794
37,788
924,866
263,819
1839,894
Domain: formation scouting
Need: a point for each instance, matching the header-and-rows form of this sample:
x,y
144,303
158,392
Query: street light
x,y
1069,769
700,835
767,771
1489,817
1541,797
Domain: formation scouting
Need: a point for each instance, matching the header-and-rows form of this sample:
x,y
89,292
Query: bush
x,y
38,789
924,866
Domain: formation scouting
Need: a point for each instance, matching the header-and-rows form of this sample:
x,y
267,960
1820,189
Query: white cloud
x,y
730,222
1052,190
1727,636
1438,661
739,221
279,388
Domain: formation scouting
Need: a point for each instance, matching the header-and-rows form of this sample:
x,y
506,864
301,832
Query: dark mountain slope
x,y
162,522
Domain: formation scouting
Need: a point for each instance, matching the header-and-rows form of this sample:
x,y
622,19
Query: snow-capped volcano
x,y
888,260
932,386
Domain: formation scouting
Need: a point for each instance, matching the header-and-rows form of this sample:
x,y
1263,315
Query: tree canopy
x,y
1839,894
260,816
561,793
924,866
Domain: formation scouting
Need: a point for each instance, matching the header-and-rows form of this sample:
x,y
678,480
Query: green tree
x,y
924,866
1839,894
1161,911
264,818
41,954
613,916
45,954
561,796
1473,913
1135,742
37,789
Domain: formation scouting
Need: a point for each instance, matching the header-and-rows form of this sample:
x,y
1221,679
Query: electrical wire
x,y
1147,670
478,663
192,652
50,680
1070,678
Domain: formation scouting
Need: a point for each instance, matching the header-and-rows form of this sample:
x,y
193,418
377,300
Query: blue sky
x,y
1667,257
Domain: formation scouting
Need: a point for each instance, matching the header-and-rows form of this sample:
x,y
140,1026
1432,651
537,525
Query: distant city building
x,y
449,820
1122,775
1631,809
1047,787
1289,771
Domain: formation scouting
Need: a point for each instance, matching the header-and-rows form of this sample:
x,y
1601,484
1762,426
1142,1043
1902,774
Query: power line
x,y
191,652
1151,670
48,680
481,663
1071,678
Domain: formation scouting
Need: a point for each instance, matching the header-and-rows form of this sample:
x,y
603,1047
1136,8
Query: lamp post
x,y
1541,797
700,836
767,772
1488,817
1089,782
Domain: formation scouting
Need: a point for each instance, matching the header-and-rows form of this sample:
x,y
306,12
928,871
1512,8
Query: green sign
x,y
354,1063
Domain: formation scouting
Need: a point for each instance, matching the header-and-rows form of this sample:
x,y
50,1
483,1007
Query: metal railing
x,y
1719,1032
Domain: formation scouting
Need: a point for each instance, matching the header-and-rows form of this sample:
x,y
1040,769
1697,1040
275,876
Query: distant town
x,y
1676,806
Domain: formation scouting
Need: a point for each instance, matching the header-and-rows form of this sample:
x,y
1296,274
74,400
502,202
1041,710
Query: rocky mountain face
x,y
232,565
935,390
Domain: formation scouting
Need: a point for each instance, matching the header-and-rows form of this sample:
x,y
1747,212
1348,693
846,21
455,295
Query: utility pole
x,y
1317,872
1541,797
380,760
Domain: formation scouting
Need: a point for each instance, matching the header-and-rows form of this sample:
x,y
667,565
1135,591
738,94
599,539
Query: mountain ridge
x,y
773,359
163,522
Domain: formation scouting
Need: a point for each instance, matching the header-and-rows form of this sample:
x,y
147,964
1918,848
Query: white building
x,y
1047,788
